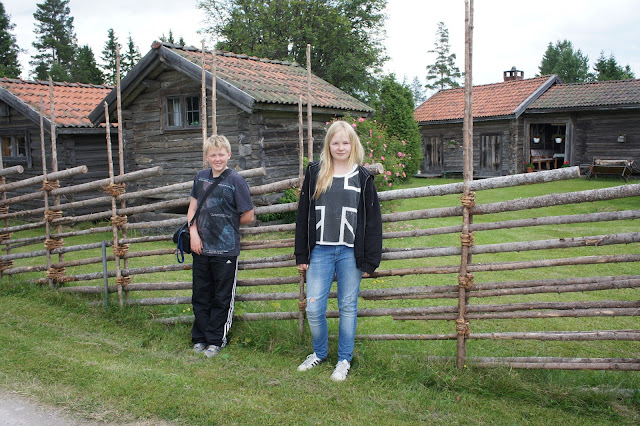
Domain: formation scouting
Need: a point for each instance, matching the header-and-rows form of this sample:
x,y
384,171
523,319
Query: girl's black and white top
x,y
367,243
337,210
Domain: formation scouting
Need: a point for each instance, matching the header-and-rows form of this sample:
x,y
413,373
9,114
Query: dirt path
x,y
19,410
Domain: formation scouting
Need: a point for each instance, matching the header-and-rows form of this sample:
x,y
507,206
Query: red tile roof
x,y
593,94
271,81
72,101
490,100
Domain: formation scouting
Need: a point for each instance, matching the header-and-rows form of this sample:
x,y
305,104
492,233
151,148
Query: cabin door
x,y
490,153
433,153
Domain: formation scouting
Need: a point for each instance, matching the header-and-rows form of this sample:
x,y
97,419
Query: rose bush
x,y
380,148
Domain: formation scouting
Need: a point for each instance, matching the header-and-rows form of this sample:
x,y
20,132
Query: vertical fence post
x,y
105,274
302,301
309,113
203,96
465,279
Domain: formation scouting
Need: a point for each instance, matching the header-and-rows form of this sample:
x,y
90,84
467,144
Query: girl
x,y
338,234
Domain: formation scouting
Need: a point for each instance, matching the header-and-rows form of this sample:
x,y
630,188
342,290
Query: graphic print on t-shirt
x,y
336,211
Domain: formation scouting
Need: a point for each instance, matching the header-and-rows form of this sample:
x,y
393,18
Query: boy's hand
x,y
196,242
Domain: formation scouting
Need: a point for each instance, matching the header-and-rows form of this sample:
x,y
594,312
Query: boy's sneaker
x,y
199,347
341,371
212,350
311,361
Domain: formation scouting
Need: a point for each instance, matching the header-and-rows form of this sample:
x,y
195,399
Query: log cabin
x,y
538,120
78,142
256,108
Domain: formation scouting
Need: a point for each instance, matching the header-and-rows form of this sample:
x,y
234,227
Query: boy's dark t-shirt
x,y
219,219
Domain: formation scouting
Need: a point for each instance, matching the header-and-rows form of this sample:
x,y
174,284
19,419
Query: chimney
x,y
513,74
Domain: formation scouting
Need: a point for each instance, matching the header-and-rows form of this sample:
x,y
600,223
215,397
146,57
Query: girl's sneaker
x,y
311,361
341,371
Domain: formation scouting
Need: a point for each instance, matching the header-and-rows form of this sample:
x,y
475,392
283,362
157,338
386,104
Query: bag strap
x,y
209,190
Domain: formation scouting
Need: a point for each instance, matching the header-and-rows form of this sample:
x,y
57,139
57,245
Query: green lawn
x,y
120,366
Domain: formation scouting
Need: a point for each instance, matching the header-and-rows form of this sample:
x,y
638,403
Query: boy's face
x,y
217,159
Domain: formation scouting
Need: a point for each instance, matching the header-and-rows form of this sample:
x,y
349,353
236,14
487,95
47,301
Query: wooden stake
x,y
203,96
214,73
309,107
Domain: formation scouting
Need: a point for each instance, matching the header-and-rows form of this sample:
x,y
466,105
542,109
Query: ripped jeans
x,y
326,263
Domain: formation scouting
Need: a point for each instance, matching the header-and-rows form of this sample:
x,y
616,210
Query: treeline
x,y
58,52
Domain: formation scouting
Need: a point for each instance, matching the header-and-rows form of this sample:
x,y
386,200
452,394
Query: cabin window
x,y
15,149
182,112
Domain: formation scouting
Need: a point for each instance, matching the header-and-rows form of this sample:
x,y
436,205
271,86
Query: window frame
x,y
15,147
187,109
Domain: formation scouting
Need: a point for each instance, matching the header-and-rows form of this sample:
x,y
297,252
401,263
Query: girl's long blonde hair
x,y
325,176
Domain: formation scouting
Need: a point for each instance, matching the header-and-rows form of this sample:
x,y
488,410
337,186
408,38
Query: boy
x,y
215,245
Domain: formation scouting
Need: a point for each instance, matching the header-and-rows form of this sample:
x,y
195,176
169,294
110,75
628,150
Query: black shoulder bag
x,y
182,237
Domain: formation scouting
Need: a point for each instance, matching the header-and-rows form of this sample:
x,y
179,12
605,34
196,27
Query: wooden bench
x,y
541,156
620,168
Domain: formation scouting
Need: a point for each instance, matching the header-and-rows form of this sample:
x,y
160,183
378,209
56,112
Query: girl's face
x,y
340,147
217,159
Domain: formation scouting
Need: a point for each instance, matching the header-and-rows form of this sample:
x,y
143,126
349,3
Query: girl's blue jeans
x,y
326,263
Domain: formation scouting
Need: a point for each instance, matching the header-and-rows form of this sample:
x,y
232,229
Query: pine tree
x,y
130,58
418,92
444,72
85,69
608,69
570,65
168,39
55,39
109,57
9,65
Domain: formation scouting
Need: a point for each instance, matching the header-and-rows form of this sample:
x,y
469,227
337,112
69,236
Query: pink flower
x,y
382,158
389,184
361,119
397,174
366,164
370,134
404,143
389,172
404,174
354,125
371,155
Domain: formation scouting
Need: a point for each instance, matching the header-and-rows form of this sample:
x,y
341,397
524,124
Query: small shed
x,y
78,142
257,109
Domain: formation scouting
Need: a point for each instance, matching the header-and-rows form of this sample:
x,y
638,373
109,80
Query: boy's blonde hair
x,y
212,142
325,176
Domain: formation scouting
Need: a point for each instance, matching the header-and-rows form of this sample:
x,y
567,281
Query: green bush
x,y
290,196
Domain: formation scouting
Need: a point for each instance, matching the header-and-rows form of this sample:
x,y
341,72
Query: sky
x,y
505,33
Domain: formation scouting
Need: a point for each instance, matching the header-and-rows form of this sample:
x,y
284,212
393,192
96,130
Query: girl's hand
x,y
365,275
302,267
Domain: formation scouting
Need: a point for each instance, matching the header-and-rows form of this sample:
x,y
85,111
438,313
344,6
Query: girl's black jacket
x,y
368,238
